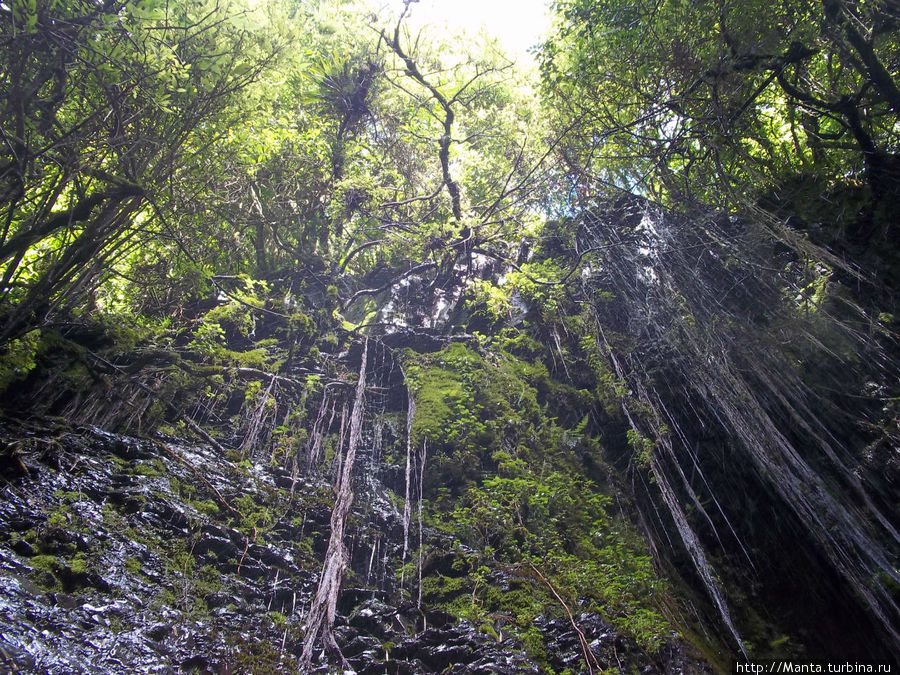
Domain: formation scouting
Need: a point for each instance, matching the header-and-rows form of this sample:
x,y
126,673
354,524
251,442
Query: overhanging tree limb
x,y
412,69
78,213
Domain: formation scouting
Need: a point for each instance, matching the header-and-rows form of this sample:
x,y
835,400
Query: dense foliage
x,y
209,208
712,101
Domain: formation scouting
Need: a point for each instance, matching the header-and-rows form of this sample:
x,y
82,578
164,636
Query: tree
x,y
714,101
463,155
108,105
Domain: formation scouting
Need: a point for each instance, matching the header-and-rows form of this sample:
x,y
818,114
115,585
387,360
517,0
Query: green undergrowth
x,y
508,480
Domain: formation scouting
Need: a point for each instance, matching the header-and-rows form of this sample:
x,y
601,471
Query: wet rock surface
x,y
118,556
125,555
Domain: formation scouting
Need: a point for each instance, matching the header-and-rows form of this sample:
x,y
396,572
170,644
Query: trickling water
x,y
419,506
257,428
705,310
688,537
410,415
372,560
317,434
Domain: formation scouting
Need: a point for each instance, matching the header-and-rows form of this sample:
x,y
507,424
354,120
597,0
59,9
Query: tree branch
x,y
375,291
412,69
78,213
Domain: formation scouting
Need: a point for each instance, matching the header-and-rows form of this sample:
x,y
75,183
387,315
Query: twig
x,y
192,425
543,282
588,654
375,291
246,546
196,472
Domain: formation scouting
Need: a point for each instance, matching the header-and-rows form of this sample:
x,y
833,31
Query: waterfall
x,y
688,537
407,511
705,330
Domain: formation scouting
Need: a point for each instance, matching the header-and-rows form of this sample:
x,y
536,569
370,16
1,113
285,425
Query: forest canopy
x,y
149,147
660,265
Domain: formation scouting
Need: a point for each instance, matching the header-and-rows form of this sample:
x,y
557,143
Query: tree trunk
x,y
320,621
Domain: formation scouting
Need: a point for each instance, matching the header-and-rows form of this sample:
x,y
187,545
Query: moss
x,y
120,463
112,519
533,642
79,563
153,469
304,550
302,324
148,538
181,561
59,520
185,490
19,358
55,574
522,600
169,598
206,507
232,315
387,646
46,563
31,536
451,594
252,358
255,656
492,423
256,515
207,582
488,629
443,385
46,581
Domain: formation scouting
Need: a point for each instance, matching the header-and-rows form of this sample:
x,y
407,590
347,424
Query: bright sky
x,y
519,24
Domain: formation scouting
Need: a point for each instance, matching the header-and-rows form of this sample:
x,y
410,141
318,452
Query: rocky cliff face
x,y
671,461
124,555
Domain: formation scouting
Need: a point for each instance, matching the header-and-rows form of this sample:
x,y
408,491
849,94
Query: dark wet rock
x,y
420,340
106,568
439,657
110,563
452,648
159,631
359,645
447,563
611,649
22,547
499,664
19,524
437,617
351,598
374,617
393,667
344,634
218,547
65,600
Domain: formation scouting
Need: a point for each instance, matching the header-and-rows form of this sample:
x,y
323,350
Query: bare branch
x,y
376,291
